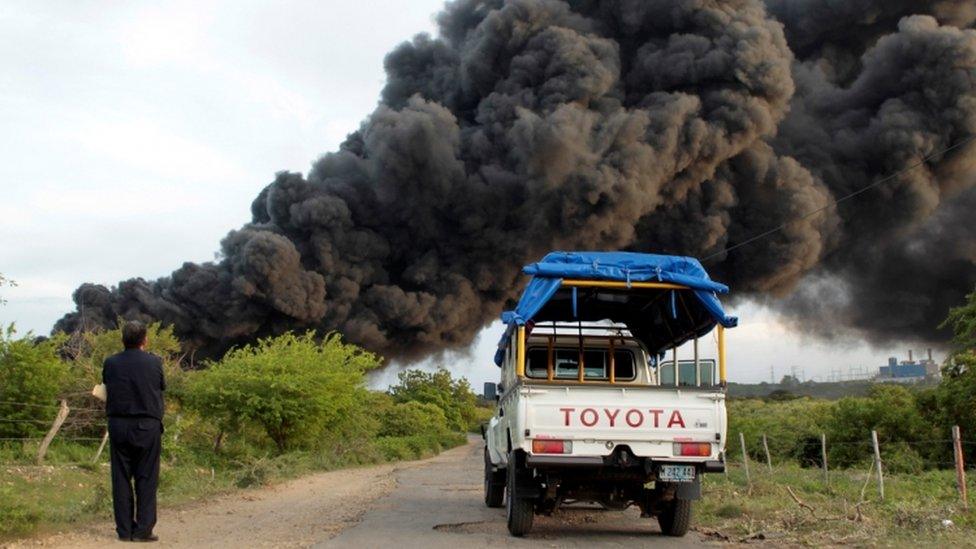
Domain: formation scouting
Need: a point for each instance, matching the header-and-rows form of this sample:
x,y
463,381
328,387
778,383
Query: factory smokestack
x,y
676,127
910,359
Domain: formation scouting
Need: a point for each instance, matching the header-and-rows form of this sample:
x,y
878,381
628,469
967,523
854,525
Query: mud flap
x,y
526,486
688,490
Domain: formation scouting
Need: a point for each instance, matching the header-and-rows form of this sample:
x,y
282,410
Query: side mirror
x,y
491,391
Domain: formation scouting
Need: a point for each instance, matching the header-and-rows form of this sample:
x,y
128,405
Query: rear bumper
x,y
714,466
710,466
564,461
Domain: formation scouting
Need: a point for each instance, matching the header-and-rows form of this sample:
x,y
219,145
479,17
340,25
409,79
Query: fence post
x,y
101,447
745,457
960,466
769,461
55,427
877,462
823,455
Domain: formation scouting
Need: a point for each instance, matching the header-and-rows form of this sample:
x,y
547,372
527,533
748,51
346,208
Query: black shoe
x,y
125,538
146,539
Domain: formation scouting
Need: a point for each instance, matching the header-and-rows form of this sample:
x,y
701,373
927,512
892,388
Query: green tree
x,y
87,352
31,374
789,425
962,321
298,390
453,396
956,397
891,410
956,394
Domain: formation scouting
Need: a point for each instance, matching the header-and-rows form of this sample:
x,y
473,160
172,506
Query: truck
x,y
606,393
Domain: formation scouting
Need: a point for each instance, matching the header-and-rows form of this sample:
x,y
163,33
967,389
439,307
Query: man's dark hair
x,y
133,334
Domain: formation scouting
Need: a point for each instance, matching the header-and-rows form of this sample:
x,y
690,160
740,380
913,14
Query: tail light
x,y
692,449
548,446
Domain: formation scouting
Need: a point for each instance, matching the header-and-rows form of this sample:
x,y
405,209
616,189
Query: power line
x,y
843,198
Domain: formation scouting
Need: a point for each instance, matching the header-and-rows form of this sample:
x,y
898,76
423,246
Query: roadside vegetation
x,y
792,504
276,409
919,510
921,501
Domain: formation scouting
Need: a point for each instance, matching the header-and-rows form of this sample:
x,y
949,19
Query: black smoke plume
x,y
677,127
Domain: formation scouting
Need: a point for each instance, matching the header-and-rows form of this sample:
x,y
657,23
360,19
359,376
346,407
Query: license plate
x,y
676,473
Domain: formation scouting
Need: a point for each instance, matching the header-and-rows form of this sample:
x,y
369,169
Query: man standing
x,y
134,382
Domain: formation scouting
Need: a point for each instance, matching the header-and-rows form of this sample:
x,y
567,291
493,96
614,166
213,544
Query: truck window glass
x,y
566,361
667,373
686,373
707,374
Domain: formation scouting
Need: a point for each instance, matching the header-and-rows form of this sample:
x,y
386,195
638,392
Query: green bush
x,y
297,389
482,415
87,351
891,410
955,400
453,396
413,418
31,374
789,426
416,446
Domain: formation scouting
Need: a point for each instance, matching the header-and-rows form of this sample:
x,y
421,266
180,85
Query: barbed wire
x,y
30,404
15,465
52,440
50,406
816,443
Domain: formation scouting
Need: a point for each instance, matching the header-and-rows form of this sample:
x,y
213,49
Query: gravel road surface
x,y
430,503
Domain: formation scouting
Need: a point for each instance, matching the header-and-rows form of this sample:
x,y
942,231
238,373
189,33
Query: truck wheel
x,y
494,484
676,518
518,509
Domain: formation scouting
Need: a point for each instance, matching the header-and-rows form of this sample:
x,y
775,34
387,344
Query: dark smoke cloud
x,y
652,125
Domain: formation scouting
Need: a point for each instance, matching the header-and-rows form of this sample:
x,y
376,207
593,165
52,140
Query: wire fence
x,y
756,458
81,427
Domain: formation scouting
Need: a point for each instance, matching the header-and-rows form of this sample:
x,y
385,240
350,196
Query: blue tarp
x,y
548,274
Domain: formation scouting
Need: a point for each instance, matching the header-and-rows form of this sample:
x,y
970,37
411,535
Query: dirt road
x,y
431,503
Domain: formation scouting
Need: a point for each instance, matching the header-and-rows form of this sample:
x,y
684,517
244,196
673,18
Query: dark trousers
x,y
135,444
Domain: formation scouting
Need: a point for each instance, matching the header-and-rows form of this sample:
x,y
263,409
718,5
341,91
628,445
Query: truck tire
x,y
519,510
494,484
676,519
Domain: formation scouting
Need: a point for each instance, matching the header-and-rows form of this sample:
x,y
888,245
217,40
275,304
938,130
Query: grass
x,y
70,489
912,512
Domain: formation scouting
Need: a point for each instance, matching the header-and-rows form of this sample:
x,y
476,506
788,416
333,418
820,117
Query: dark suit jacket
x,y
135,384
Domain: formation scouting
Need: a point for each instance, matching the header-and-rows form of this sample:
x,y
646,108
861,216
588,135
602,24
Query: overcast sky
x,y
134,137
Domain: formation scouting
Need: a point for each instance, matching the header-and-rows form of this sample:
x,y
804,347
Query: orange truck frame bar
x,y
550,373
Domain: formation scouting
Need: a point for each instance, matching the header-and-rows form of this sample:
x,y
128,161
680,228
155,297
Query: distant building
x,y
909,371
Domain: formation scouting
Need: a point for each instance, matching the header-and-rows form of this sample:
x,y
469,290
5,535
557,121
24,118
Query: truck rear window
x,y
596,364
687,375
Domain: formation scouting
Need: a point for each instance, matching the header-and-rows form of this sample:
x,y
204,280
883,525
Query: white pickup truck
x,y
591,407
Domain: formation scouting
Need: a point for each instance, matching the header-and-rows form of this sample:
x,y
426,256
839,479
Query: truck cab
x,y
607,392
